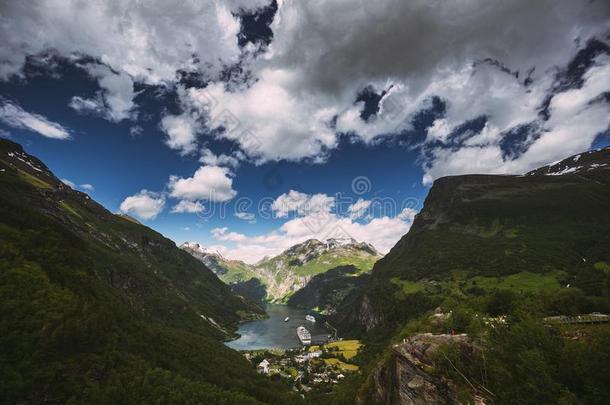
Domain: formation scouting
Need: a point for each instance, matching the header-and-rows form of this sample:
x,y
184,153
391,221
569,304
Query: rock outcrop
x,y
404,379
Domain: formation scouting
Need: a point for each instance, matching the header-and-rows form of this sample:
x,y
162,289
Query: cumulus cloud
x,y
71,184
407,214
382,232
469,55
181,132
315,219
133,43
191,207
209,158
15,116
246,216
358,209
149,42
94,106
301,204
495,61
145,204
223,234
114,102
576,117
211,183
270,120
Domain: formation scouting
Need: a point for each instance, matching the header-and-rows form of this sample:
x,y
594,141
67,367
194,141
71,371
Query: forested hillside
x,y
493,257
97,308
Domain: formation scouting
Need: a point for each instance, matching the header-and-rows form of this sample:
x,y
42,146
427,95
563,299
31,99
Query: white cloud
x,y
246,216
407,214
15,116
302,94
145,204
181,132
69,183
82,105
211,183
576,118
469,56
149,42
270,120
301,203
209,158
191,207
358,209
144,43
223,234
439,130
135,130
382,232
114,102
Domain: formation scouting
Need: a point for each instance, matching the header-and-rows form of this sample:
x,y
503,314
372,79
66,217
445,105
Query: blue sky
x,y
340,130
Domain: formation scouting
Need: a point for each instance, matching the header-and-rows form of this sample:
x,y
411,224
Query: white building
x,y
263,367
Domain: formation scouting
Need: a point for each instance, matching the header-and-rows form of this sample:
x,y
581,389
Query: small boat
x,y
310,318
304,335
286,319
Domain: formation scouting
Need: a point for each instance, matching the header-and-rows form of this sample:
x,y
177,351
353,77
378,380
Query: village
x,y
308,368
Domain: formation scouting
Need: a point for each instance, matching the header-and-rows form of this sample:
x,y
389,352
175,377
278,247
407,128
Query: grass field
x,y
347,348
340,364
36,182
518,282
326,261
69,208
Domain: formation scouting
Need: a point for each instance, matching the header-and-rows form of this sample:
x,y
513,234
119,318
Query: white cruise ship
x,y
304,335
310,318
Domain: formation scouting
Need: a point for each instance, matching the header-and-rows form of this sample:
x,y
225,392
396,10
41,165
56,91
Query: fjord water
x,y
274,333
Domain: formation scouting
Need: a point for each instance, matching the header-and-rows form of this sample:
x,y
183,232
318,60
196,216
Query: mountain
x,y
550,227
327,291
584,163
291,270
241,277
294,268
97,308
491,256
229,271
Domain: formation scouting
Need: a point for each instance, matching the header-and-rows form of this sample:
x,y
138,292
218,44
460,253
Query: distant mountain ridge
x,y
577,164
291,270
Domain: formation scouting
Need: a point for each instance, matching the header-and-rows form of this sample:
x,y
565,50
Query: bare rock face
x,y
368,316
403,379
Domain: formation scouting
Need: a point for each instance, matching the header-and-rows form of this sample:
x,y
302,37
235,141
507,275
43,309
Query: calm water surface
x,y
274,333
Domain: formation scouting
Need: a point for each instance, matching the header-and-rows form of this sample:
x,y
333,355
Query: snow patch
x,y
565,171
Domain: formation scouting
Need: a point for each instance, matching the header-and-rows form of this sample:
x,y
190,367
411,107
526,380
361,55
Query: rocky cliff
x,y
405,378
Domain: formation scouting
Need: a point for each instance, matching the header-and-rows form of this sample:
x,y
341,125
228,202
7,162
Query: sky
x,y
250,126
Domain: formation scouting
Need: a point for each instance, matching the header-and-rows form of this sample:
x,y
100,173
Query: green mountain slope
x,y
295,267
229,271
491,257
327,291
97,308
541,231
288,272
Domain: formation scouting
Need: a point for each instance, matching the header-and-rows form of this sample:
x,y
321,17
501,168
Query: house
x,y
263,367
308,356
